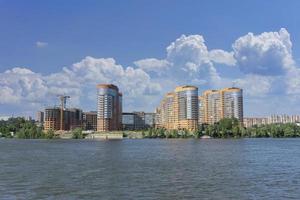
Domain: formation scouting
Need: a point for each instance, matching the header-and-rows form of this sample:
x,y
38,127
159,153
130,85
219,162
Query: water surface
x,y
150,169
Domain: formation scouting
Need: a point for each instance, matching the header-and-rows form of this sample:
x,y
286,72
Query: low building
x,y
273,119
128,121
138,120
251,121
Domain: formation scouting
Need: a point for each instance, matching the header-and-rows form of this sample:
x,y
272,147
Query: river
x,y
150,169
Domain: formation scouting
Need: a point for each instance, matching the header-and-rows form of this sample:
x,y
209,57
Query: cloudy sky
x,y
147,48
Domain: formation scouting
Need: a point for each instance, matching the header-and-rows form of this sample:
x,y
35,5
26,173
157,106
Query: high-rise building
x,y
219,104
109,111
201,110
90,121
179,109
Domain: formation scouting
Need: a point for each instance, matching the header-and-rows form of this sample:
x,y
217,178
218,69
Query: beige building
x,y
109,108
179,109
215,105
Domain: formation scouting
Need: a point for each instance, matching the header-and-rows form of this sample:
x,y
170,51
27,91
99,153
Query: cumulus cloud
x,y
255,85
269,53
23,86
40,44
222,57
188,60
153,65
263,66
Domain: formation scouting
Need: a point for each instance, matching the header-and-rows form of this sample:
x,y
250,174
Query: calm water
x,y
150,169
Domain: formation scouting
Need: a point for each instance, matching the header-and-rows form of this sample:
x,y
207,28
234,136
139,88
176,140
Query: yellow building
x,y
179,109
219,104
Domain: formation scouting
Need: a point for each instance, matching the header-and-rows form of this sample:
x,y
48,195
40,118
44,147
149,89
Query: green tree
x,y
50,134
77,133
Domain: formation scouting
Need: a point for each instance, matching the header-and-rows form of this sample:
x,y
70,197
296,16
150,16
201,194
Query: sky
x,y
147,48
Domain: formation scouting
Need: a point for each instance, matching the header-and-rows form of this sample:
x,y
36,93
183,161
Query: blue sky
x,y
40,38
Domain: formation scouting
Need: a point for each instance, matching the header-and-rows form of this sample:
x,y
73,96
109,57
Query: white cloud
x,y
222,57
187,58
153,65
40,44
255,85
269,53
22,86
264,68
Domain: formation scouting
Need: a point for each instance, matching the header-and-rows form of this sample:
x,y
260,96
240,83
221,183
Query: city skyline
x,y
64,54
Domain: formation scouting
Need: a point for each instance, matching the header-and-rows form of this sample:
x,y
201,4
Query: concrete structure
x,y
105,136
179,109
72,118
109,108
90,120
52,118
219,104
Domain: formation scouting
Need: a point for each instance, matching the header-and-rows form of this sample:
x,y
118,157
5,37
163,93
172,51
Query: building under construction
x,y
72,118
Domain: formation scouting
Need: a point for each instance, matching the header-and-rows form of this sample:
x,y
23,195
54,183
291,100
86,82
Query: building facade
x,y
52,118
90,121
138,120
40,117
179,109
219,104
128,121
273,119
109,108
72,118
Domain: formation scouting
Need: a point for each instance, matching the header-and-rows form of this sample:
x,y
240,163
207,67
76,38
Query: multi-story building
x,y
128,121
179,109
52,118
219,104
273,119
138,120
90,121
72,118
40,117
251,121
109,111
201,110
149,120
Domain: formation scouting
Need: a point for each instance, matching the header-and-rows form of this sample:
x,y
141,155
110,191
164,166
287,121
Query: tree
x,y
50,134
77,133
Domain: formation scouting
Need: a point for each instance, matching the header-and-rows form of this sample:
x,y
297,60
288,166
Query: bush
x,y
77,133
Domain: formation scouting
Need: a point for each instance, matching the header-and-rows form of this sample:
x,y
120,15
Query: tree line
x,y
228,128
225,128
27,129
